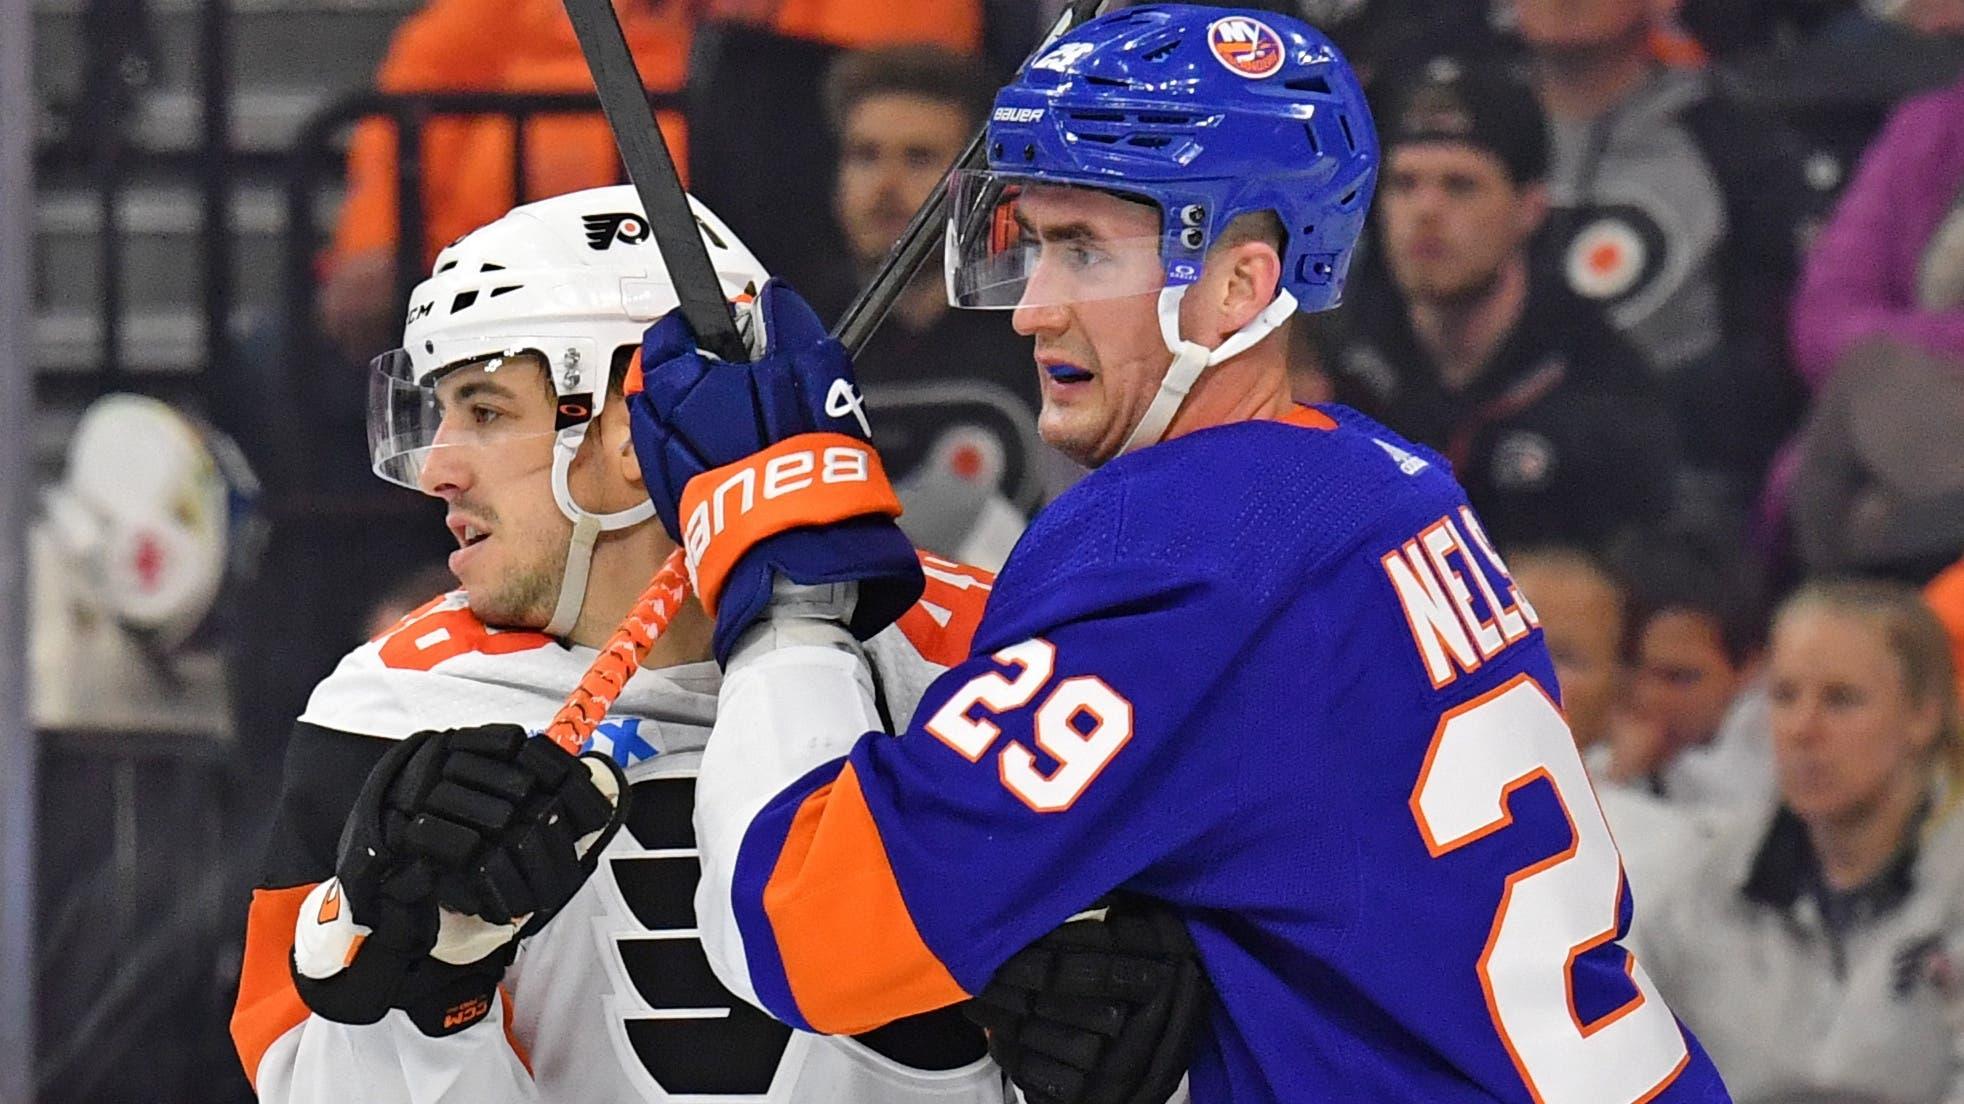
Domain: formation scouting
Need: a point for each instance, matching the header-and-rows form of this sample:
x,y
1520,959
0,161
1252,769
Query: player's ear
x,y
1253,275
616,440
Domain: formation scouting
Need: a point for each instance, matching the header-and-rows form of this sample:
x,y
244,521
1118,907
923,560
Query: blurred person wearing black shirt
x,y
1680,213
1455,341
953,394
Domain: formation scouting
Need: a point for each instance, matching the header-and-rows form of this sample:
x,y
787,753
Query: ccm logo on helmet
x,y
782,475
604,230
1247,47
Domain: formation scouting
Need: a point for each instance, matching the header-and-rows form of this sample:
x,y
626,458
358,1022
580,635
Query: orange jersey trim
x,y
941,626
851,953
1308,417
268,1006
809,479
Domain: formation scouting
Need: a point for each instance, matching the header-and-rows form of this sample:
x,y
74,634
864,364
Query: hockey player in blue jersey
x,y
1262,664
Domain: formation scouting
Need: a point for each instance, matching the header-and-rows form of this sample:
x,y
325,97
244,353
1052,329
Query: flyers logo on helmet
x,y
1247,47
604,230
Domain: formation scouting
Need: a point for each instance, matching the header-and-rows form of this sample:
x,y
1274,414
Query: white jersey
x,y
612,1002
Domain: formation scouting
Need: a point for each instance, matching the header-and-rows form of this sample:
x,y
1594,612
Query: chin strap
x,y
587,528
1190,358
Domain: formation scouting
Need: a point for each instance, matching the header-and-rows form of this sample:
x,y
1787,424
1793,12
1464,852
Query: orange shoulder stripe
x,y
268,1006
851,953
941,626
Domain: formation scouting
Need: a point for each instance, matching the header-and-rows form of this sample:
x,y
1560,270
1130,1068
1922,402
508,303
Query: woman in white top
x,y
1816,947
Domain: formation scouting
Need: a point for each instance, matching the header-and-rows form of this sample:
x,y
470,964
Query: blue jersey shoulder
x,y
1259,502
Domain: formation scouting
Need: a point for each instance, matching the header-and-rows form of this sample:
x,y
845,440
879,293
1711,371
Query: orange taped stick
x,y
621,656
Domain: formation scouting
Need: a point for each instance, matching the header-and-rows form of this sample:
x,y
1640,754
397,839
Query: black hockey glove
x,y
460,843
1100,1011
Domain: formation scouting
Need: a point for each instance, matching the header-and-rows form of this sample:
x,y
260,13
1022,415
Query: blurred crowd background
x,y
1676,285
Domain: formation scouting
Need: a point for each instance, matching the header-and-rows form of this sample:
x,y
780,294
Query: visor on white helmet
x,y
1017,242
480,400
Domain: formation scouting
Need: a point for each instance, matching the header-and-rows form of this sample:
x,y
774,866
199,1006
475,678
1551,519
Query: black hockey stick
x,y
652,169
923,233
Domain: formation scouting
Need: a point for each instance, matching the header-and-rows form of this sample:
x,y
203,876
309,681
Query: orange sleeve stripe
x,y
851,954
809,479
268,1006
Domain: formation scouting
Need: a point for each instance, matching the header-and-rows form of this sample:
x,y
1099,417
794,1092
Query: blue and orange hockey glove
x,y
767,468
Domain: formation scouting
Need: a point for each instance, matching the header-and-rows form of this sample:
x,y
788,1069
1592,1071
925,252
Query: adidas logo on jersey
x,y
1407,463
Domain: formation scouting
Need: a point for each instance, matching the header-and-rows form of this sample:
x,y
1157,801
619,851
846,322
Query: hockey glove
x,y
459,844
766,468
1104,1010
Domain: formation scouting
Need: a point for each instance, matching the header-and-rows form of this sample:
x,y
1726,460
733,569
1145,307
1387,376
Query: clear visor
x,y
1014,242
482,402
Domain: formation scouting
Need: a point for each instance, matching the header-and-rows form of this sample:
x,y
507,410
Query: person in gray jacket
x,y
1818,949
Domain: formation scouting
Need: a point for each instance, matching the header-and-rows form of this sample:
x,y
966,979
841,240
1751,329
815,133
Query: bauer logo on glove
x,y
766,468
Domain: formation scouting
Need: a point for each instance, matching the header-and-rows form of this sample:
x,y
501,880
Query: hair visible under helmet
x,y
1209,114
571,280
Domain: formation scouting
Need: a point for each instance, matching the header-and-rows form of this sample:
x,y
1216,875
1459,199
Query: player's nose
x,y
444,473
1047,320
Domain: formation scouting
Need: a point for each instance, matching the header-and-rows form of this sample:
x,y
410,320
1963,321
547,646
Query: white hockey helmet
x,y
157,515
571,280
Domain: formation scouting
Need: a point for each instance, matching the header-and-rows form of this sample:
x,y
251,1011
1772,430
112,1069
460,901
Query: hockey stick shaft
x,y
652,170
621,656
923,233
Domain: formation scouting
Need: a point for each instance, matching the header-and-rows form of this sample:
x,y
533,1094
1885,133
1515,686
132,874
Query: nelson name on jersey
x,y
1436,574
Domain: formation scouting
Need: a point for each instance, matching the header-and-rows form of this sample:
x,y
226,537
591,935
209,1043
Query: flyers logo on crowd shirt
x,y
1248,47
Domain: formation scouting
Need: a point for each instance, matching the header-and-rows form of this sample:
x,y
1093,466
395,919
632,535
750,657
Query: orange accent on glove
x,y
809,479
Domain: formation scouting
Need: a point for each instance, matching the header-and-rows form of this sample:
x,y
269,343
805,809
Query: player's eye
x,y
483,415
1082,256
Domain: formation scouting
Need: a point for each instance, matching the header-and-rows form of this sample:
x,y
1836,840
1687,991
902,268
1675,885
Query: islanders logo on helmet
x,y
1247,47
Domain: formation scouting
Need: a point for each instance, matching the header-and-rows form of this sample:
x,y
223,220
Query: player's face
x,y
492,465
1846,734
1451,218
1100,358
1582,621
1685,679
893,150
1584,24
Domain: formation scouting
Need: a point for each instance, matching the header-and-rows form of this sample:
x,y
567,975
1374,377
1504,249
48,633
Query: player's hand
x,y
460,843
766,469
1104,1010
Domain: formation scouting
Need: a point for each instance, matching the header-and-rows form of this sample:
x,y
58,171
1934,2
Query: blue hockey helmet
x,y
1208,113
1205,113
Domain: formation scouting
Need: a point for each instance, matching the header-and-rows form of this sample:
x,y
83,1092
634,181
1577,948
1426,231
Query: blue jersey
x,y
1273,674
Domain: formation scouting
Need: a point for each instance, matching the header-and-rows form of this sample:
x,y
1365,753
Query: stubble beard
x,y
523,598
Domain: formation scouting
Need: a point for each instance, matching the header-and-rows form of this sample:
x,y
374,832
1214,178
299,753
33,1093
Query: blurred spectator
x,y
1890,263
1582,609
529,46
1456,341
953,392
1878,486
1380,37
1878,328
1816,950
480,46
1680,213
1696,730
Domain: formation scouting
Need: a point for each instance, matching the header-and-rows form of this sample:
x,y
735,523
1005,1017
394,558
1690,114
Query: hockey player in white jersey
x,y
580,977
